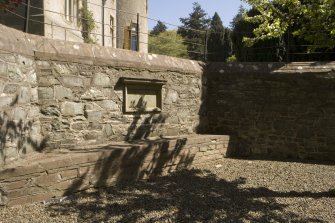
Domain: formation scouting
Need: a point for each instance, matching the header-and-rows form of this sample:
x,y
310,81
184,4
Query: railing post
x,y
103,22
288,46
138,32
26,24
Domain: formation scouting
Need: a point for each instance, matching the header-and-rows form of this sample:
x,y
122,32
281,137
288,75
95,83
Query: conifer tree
x,y
159,28
216,40
193,31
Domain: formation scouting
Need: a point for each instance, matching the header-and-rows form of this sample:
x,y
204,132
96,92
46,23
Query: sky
x,y
171,10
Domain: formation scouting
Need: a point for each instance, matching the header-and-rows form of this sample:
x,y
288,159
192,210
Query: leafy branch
x,y
88,25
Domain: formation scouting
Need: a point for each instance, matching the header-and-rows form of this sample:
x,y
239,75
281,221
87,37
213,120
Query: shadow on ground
x,y
185,196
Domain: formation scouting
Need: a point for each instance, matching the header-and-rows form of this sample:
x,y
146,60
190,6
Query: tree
x,y
262,50
227,44
311,20
168,43
159,28
193,31
216,40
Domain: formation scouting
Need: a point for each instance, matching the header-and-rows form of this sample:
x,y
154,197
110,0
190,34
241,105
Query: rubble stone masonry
x,y
63,125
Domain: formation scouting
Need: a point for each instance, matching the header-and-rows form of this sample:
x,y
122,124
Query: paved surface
x,y
230,191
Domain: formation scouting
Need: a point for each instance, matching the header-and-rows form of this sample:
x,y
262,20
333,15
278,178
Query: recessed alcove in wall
x,y
142,95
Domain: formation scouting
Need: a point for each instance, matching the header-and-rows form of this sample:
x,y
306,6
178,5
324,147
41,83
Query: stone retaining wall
x,y
57,95
59,174
83,104
19,109
273,109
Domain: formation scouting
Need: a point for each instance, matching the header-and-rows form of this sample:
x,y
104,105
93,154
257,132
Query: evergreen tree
x,y
159,28
227,44
215,46
193,31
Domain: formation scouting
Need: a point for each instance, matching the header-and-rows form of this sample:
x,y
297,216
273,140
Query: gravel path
x,y
230,191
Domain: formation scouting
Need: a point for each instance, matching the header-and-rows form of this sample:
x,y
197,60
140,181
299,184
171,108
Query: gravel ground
x,y
229,191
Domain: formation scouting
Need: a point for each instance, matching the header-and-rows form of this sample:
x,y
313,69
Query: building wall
x,y
58,27
109,10
127,14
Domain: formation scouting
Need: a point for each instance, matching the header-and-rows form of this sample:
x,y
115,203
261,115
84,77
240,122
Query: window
x,y
72,10
133,37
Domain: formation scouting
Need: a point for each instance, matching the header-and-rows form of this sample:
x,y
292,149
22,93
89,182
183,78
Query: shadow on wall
x,y
19,134
140,131
185,196
143,159
16,136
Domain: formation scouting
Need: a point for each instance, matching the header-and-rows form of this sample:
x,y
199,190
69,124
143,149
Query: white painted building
x,y
115,21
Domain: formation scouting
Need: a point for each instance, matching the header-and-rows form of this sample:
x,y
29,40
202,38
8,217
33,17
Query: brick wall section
x,y
60,174
273,110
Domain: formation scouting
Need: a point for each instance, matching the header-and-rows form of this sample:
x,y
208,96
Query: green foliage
x,y
263,50
311,20
227,44
88,24
168,43
219,41
332,192
231,59
193,31
159,28
216,39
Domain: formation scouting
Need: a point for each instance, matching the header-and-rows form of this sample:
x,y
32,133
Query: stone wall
x,y
57,94
83,104
59,174
272,110
19,113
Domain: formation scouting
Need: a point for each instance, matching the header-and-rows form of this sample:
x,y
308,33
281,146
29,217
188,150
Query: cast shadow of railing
x,y
184,196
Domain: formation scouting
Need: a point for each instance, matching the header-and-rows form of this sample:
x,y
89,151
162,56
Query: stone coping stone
x,y
296,68
42,162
